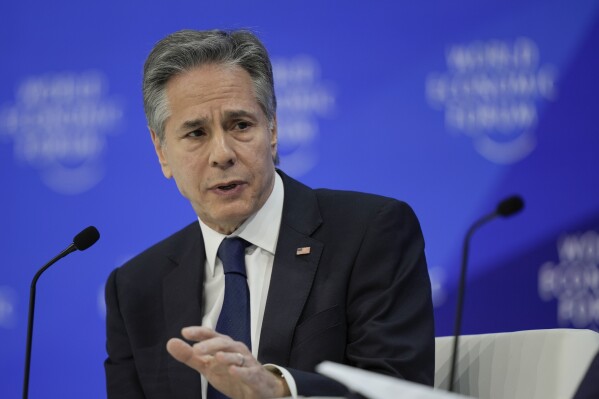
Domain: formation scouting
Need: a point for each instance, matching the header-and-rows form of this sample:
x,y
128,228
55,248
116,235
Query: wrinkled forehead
x,y
213,83
209,93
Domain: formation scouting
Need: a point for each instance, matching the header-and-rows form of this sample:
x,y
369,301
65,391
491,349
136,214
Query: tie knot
x,y
232,253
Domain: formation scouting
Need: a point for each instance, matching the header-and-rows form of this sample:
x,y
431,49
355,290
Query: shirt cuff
x,y
286,375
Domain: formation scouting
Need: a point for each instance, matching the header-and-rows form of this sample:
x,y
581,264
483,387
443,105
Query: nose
x,y
222,154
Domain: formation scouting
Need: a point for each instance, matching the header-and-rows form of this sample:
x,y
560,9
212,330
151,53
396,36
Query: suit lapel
x,y
182,299
292,274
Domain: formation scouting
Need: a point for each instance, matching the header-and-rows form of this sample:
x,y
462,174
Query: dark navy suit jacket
x,y
360,297
589,386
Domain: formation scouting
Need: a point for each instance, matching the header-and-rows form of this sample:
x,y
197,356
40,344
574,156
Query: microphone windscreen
x,y
86,238
510,206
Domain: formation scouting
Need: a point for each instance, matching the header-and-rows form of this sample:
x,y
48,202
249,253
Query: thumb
x,y
180,350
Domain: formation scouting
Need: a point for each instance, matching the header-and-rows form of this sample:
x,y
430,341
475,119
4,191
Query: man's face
x,y
218,145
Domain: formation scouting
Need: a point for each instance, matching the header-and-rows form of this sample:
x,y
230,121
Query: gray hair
x,y
188,49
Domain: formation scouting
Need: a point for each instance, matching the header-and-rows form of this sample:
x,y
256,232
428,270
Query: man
x,y
332,275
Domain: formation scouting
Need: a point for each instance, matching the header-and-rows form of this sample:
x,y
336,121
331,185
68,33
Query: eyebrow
x,y
239,114
193,124
228,115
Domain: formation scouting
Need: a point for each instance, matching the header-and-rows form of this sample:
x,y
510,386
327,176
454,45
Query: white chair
x,y
542,364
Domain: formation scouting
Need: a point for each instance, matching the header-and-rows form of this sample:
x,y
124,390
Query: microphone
x,y
510,206
82,241
506,208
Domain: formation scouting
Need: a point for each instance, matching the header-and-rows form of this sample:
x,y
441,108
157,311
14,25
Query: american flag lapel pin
x,y
302,251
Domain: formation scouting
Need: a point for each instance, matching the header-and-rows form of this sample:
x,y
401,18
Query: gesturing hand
x,y
228,365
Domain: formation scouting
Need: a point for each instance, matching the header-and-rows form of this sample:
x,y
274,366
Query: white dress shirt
x,y
261,230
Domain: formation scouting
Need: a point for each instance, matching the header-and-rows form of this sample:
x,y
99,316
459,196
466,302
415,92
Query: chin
x,y
233,218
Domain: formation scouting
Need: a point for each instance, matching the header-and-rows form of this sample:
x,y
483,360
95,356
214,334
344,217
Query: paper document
x,y
379,386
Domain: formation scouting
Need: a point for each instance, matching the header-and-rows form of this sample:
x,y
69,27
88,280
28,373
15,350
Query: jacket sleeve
x,y
389,304
121,376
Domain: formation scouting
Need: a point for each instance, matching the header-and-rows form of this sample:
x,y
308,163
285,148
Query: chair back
x,y
544,364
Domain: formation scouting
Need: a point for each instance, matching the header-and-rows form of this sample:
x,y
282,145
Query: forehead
x,y
211,85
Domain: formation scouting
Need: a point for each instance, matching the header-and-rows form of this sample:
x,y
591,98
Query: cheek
x,y
186,173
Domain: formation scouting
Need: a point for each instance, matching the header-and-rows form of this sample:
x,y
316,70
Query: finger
x,y
179,349
221,343
235,359
198,333
184,353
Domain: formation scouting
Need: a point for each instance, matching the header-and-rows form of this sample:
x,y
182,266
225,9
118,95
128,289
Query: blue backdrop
x,y
450,106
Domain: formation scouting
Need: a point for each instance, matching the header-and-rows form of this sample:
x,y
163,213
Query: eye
x,y
242,125
196,133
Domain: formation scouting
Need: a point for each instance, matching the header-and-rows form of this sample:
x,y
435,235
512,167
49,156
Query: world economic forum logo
x,y
58,125
574,280
491,92
302,98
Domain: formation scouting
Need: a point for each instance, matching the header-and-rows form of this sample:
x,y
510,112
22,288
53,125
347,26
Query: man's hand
x,y
227,365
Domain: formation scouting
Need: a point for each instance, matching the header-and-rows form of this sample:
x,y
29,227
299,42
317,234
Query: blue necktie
x,y
234,318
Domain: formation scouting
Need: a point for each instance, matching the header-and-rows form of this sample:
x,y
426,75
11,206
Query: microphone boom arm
x,y
85,239
461,292
68,250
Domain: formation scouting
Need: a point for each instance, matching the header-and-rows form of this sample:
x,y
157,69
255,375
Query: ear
x,y
273,137
160,151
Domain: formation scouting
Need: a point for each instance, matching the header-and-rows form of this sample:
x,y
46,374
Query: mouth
x,y
227,186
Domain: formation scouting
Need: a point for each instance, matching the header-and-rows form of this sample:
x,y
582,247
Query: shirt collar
x,y
261,229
